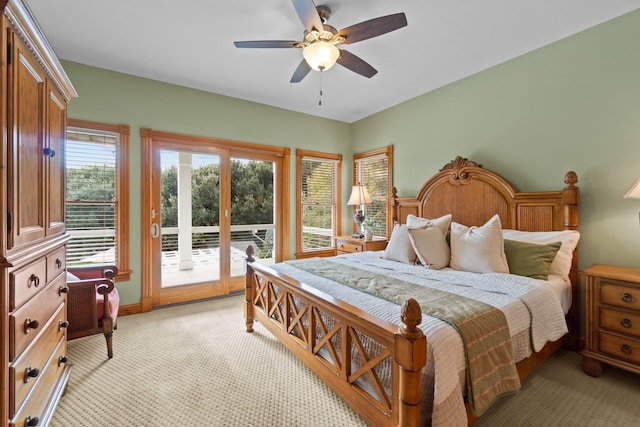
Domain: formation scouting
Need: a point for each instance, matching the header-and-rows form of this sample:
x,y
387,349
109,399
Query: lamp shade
x,y
634,193
359,195
321,55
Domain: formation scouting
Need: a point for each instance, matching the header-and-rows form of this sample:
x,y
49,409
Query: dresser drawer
x,y
619,346
53,380
621,321
27,322
56,263
620,295
349,247
34,360
25,282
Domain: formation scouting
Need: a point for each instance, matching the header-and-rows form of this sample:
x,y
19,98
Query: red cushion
x,y
114,303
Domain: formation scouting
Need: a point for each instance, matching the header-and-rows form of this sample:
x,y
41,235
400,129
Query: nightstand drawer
x,y
349,247
621,321
620,347
616,293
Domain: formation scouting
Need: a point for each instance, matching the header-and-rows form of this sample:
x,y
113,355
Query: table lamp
x,y
634,193
359,197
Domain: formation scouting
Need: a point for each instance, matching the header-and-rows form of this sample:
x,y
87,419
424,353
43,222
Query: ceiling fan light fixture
x,y
321,55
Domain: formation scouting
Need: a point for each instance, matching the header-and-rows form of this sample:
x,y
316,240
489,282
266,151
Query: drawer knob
x,y
30,373
49,152
626,297
63,290
356,249
31,421
625,349
625,323
30,324
63,324
62,359
35,280
58,263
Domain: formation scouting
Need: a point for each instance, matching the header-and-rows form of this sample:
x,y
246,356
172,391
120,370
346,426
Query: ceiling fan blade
x,y
301,72
356,64
373,28
308,14
267,43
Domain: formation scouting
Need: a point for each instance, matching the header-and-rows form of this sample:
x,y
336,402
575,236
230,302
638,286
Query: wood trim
x,y
122,190
147,221
337,230
151,141
195,141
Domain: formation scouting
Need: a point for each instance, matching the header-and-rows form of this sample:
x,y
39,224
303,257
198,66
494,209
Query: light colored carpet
x,y
193,364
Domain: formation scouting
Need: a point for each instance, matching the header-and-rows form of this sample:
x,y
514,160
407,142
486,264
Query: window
x,y
97,194
374,170
318,203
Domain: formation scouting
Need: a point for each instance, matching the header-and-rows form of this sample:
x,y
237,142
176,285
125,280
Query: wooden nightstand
x,y
612,311
348,244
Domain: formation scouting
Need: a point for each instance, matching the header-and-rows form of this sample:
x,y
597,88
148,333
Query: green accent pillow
x,y
530,259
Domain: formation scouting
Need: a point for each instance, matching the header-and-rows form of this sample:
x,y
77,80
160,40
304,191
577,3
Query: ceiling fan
x,y
320,41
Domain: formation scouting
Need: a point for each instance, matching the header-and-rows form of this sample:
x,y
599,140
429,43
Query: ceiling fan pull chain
x,y
320,98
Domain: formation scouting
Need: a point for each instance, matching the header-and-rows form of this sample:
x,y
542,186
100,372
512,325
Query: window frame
x,y
121,213
337,202
358,159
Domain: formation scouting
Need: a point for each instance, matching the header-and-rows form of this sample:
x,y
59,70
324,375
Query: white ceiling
x,y
190,43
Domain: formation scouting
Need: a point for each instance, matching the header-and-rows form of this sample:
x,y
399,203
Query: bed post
x,y
570,200
410,353
249,290
393,202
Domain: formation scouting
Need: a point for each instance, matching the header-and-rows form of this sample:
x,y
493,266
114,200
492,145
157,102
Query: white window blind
x,y
318,199
373,172
91,196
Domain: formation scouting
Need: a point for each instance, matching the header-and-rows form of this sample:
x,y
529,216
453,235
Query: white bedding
x,y
528,304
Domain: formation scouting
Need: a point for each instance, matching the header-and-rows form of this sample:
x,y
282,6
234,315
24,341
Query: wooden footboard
x,y
350,350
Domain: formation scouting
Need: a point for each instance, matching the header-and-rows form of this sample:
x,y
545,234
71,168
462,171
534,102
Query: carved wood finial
x,y
411,316
571,178
250,253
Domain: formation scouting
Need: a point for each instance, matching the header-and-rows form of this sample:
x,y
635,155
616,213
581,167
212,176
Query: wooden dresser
x,y
35,92
349,244
612,312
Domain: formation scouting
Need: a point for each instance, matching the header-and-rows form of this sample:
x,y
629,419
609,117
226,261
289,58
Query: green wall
x,y
111,97
573,105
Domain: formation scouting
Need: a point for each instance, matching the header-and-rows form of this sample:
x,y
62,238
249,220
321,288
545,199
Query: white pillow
x,y
399,247
478,249
431,247
442,223
561,265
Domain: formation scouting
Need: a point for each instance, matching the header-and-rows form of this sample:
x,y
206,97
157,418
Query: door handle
x,y
155,230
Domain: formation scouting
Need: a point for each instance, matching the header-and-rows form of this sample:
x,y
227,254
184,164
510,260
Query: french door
x,y
206,202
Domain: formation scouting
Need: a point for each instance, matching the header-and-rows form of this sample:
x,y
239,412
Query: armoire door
x,y
26,157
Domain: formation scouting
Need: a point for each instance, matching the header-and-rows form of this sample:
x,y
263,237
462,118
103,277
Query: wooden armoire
x,y
34,95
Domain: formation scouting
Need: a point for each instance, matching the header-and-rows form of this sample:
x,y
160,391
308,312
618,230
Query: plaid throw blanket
x,y
491,370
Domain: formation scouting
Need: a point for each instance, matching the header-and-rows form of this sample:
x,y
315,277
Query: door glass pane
x,y
252,212
190,194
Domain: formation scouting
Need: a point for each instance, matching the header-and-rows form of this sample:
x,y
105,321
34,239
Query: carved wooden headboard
x,y
473,194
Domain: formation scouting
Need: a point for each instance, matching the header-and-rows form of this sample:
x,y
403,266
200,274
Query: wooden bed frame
x,y
297,314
